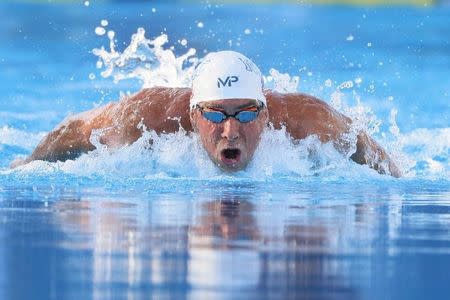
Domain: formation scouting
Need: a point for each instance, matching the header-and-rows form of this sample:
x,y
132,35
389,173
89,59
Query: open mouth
x,y
230,156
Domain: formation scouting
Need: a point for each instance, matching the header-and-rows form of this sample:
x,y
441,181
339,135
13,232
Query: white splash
x,y
148,61
19,138
282,83
423,152
155,156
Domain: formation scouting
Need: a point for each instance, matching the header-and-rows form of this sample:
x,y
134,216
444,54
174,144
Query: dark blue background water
x,y
326,236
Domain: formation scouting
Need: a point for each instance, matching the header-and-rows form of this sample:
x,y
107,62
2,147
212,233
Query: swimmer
x,y
226,107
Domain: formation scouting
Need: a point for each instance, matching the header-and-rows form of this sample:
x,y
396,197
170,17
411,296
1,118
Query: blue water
x,y
165,224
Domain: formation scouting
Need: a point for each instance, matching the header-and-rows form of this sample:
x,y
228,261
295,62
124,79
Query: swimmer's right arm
x,y
71,138
67,141
159,109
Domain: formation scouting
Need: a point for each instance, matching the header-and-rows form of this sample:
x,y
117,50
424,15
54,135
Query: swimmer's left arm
x,y
369,152
304,115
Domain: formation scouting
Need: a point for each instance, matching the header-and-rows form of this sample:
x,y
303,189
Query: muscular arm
x,y
70,138
159,109
304,115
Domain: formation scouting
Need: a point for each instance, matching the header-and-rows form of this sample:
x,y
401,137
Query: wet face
x,y
230,144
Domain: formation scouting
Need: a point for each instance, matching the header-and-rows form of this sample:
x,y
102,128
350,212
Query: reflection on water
x,y
224,241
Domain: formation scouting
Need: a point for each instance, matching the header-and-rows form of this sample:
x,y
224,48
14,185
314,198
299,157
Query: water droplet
x,y
346,85
183,42
100,30
328,83
350,38
369,44
153,10
247,31
111,34
86,3
104,23
200,25
92,76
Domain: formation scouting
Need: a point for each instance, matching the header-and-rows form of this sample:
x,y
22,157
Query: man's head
x,y
228,108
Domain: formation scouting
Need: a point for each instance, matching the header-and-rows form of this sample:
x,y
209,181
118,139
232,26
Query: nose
x,y
231,129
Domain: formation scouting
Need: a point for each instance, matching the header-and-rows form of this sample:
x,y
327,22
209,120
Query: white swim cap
x,y
226,75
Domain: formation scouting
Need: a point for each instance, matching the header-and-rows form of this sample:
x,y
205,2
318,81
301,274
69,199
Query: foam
x,y
154,156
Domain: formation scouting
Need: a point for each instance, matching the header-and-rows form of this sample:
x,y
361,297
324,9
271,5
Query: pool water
x,y
165,223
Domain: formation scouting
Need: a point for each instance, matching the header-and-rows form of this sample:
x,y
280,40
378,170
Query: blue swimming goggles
x,y
243,116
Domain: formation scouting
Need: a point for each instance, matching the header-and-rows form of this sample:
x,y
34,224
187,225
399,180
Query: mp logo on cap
x,y
228,81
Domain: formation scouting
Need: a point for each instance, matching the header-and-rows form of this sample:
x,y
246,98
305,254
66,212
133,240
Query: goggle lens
x,y
244,116
214,116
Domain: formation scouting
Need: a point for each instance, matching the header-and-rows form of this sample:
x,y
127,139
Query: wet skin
x,y
166,110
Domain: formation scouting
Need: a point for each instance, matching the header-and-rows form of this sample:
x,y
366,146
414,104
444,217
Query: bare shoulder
x,y
305,115
160,108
